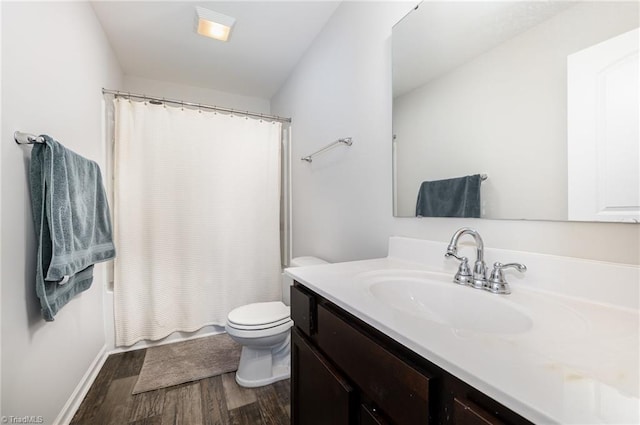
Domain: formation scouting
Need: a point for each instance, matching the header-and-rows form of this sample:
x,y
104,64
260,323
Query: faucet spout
x,y
479,267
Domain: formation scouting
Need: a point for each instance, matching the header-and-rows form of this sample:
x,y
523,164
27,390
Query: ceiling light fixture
x,y
213,24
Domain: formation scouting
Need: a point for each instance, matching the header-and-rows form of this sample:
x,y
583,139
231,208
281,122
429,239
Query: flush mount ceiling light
x,y
213,24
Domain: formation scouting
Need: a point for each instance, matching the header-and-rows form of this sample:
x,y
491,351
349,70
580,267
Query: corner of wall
x,y
79,393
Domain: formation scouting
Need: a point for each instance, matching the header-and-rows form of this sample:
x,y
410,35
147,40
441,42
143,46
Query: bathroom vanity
x,y
346,372
394,341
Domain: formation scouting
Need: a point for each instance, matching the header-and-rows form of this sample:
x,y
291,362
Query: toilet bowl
x,y
264,331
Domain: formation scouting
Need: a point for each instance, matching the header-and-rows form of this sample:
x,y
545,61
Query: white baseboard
x,y
73,403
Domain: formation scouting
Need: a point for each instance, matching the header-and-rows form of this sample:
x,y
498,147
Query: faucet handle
x,y
497,282
463,276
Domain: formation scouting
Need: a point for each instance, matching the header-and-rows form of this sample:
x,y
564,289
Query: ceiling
x,y
157,40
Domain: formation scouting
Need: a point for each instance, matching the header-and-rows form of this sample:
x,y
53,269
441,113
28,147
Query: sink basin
x,y
433,297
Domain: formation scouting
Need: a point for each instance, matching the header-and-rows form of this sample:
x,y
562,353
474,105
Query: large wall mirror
x,y
540,98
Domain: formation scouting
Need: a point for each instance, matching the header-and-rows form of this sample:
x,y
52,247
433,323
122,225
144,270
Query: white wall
x,y
55,59
503,113
341,88
195,94
342,202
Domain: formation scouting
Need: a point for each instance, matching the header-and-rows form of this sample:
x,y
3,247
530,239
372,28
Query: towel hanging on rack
x,y
456,197
72,222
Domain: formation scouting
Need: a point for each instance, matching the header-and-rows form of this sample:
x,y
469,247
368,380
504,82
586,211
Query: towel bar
x,y
26,138
347,141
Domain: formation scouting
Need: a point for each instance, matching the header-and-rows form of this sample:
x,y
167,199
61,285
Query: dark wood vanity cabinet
x,y
346,372
323,395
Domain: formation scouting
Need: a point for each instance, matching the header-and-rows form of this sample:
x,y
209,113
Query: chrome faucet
x,y
496,283
478,278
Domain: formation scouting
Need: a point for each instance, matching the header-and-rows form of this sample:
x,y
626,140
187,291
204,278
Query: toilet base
x,y
278,374
261,366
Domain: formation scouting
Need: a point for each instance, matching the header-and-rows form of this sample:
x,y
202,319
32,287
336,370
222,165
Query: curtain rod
x,y
197,105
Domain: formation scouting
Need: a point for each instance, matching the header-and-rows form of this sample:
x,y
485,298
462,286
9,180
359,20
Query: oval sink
x,y
433,297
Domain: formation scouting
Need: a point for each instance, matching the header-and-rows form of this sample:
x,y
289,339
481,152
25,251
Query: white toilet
x,y
264,331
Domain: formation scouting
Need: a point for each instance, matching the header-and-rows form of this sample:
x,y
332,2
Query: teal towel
x,y
72,222
456,197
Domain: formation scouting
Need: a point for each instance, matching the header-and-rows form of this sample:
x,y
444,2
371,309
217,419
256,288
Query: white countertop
x,y
577,363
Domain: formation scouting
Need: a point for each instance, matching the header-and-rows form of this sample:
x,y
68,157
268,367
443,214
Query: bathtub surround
x,y
197,210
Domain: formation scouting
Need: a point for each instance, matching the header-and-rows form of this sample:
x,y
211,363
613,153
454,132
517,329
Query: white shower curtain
x,y
196,214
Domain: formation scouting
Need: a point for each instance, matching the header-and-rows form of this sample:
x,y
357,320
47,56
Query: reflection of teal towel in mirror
x,y
72,223
458,197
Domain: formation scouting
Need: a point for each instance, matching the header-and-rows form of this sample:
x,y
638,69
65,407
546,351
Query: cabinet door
x,y
319,394
370,417
466,412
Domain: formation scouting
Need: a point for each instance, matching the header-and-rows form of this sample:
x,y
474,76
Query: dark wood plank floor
x,y
218,400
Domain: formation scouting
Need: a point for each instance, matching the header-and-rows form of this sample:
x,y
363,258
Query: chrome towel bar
x,y
347,141
26,138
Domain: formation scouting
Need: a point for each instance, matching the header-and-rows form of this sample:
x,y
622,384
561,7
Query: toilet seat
x,y
257,327
258,316
258,332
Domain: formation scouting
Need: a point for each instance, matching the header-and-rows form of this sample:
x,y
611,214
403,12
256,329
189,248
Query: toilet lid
x,y
259,314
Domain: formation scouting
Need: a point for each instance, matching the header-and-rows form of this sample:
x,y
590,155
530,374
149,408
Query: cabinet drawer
x,y
303,310
398,390
466,412
465,405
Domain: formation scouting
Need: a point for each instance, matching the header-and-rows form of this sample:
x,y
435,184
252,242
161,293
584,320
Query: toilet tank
x,y
287,281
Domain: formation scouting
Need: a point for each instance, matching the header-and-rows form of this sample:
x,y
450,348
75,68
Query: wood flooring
x,y
218,400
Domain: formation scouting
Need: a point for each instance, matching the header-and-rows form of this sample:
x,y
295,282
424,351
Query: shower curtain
x,y
196,217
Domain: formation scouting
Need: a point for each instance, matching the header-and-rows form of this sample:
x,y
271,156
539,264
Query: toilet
x,y
264,331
